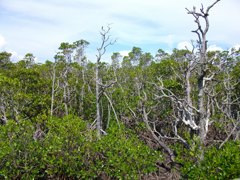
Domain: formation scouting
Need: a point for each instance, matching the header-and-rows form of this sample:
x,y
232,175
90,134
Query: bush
x,y
217,164
20,155
122,155
70,150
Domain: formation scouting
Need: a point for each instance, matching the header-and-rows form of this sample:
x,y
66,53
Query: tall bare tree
x,y
203,113
106,41
188,109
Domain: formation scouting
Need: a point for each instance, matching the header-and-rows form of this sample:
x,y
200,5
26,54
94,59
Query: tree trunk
x,y
53,89
101,51
98,118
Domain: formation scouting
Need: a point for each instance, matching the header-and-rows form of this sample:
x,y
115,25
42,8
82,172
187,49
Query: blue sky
x,y
39,26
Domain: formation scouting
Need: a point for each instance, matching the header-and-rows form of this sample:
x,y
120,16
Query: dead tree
x,y
203,114
152,128
106,41
193,112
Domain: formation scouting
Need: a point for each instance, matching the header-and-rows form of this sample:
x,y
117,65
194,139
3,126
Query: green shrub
x,y
70,150
122,155
20,155
217,164
67,147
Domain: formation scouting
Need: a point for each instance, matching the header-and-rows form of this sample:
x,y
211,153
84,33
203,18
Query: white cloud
x,y
185,45
214,48
43,25
236,47
124,53
2,41
15,56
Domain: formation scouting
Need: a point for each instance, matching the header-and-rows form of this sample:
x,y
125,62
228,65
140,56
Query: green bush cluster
x,y
71,150
218,163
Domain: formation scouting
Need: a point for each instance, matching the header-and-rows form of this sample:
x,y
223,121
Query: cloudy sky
x,y
39,26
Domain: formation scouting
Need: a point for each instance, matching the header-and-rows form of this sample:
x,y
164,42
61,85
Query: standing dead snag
x,y
203,76
188,110
106,41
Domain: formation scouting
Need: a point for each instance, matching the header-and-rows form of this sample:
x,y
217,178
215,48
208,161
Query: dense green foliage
x,y
71,150
217,164
55,97
167,116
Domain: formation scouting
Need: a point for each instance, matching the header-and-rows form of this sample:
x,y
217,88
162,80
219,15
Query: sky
x,y
39,26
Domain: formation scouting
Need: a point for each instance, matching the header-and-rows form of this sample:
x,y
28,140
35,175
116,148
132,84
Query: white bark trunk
x,y
98,118
53,89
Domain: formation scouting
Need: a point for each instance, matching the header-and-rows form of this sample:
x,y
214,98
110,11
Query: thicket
x,y
69,149
140,116
68,146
